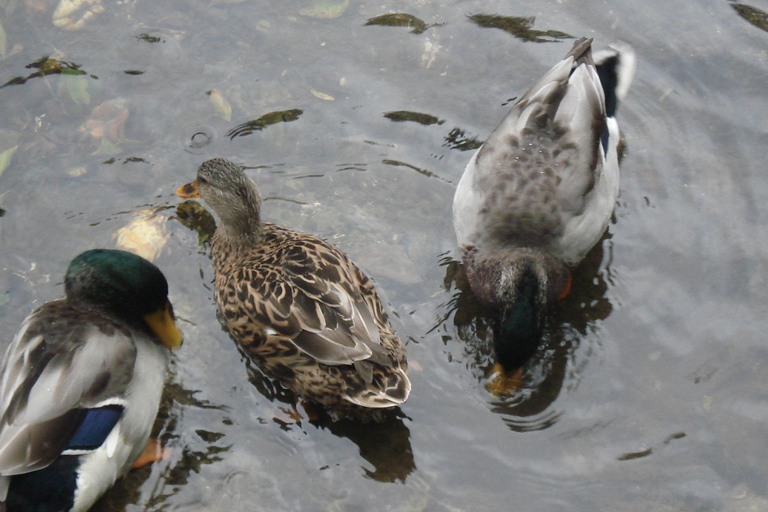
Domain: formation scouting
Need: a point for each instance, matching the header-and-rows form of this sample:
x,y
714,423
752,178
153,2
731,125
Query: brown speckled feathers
x,y
298,306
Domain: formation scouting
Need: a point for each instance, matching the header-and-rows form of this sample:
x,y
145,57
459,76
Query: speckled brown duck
x,y
297,305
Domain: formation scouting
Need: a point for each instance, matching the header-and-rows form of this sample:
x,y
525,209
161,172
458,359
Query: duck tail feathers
x,y
616,68
394,392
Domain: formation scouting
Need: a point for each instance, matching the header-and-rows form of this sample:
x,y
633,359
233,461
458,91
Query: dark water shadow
x,y
384,444
555,364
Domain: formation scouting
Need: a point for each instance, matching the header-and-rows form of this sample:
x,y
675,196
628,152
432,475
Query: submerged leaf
x,y
107,121
321,95
5,158
755,16
223,108
400,19
520,27
400,116
149,39
280,116
77,89
47,66
146,235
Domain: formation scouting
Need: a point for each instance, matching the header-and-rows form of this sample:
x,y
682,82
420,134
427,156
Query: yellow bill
x,y
164,326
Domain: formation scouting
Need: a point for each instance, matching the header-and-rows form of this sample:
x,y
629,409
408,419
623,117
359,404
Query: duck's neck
x,y
496,278
241,227
517,284
518,327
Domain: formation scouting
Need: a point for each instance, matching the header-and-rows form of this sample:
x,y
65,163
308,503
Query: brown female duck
x,y
297,305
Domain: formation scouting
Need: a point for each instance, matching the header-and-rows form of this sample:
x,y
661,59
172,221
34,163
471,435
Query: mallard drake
x,y
297,305
81,384
539,193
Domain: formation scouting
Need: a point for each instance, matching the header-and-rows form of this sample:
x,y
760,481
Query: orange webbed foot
x,y
566,289
153,452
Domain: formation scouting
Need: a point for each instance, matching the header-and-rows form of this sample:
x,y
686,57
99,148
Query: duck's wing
x,y
62,380
312,296
547,176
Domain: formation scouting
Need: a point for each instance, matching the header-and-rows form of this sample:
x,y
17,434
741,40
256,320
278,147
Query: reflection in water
x,y
385,445
755,16
280,116
520,27
267,387
184,460
555,363
457,140
194,216
193,458
428,174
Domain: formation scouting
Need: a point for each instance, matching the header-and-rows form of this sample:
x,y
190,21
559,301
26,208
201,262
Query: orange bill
x,y
502,383
188,191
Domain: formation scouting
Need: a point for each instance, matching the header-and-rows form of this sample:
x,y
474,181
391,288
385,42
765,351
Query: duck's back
x,y
310,318
547,176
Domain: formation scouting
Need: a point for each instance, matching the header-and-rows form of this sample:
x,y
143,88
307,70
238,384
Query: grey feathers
x,y
49,373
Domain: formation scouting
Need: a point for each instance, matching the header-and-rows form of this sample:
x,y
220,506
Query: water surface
x,y
649,392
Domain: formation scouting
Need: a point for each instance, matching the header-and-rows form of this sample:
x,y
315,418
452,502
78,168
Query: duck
x,y
539,193
297,305
81,382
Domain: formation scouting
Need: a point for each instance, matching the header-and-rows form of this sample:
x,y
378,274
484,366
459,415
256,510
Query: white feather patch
x,y
110,445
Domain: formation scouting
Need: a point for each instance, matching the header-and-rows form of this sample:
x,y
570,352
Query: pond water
x,y
650,391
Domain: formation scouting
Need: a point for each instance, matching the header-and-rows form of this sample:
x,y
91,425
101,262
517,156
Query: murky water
x,y
650,390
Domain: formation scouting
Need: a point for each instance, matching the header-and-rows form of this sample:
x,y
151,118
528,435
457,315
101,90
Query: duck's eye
x,y
202,181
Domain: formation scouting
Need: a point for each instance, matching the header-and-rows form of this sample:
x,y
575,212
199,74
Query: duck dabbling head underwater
x,y
539,193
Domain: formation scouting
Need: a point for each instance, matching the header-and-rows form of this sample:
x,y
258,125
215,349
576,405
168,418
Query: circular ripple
x,y
198,138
